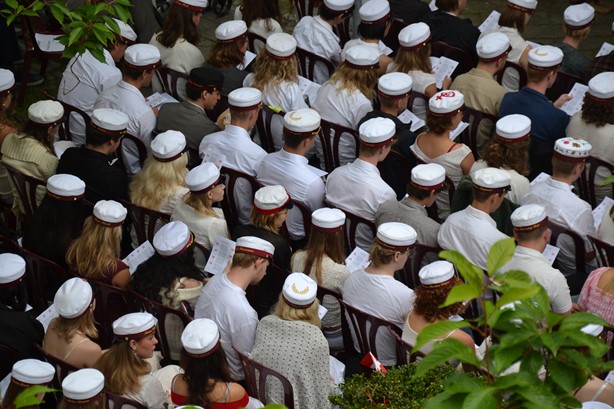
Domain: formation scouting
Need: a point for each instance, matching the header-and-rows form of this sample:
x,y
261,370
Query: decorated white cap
x,y
601,87
244,99
299,291
281,46
545,57
572,149
200,338
374,12
529,217
46,112
493,46
428,176
230,31
125,31
415,36
194,5
142,57
528,6
377,132
203,178
436,272
65,187
109,213
168,146
12,269
491,180
135,325
173,239
73,298
7,80
302,122
110,121
513,128
579,16
254,245
327,219
446,103
362,57
339,5
32,372
271,199
396,236
394,85
83,386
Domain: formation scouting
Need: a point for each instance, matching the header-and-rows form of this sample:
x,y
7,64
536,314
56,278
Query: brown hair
x,y
68,327
512,18
481,196
265,221
514,155
430,297
380,255
39,133
596,112
438,125
366,150
122,369
322,244
413,60
562,167
225,55
529,235
178,24
261,9
346,77
538,75
244,260
579,33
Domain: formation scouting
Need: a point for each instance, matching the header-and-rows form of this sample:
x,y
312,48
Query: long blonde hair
x,y
353,79
158,180
200,202
288,313
95,252
122,369
271,72
265,221
68,327
413,60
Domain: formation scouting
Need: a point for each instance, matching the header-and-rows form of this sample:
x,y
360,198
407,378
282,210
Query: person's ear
x,y
132,345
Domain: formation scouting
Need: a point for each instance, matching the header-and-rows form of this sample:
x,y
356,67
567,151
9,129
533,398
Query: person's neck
x,y
572,42
453,12
239,276
483,206
489,68
540,87
296,151
537,245
389,110
421,202
373,160
370,40
240,124
198,102
569,180
100,149
135,83
385,270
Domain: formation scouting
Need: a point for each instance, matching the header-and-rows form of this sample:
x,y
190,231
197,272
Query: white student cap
x,y
244,99
230,31
415,36
109,121
362,57
299,291
528,6
302,122
377,132
142,57
125,31
254,245
572,149
281,46
200,338
394,85
7,80
83,386
203,178
339,5
446,103
428,176
65,187
173,239
271,199
327,219
73,298
601,87
545,57
374,12
32,372
513,128
529,217
491,180
135,325
437,272
579,16
396,236
194,5
46,112
493,46
12,269
109,213
168,146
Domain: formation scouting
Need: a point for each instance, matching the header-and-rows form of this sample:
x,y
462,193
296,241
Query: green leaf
x,y
10,19
445,351
503,358
123,14
580,319
516,294
445,400
607,181
38,5
29,396
483,398
532,363
436,330
12,3
561,374
460,293
513,278
101,32
470,273
75,35
124,3
57,13
500,253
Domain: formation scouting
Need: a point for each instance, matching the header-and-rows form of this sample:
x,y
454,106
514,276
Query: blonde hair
x,y
271,72
380,255
158,180
244,260
200,202
413,60
579,33
353,79
95,252
122,369
288,313
265,221
68,327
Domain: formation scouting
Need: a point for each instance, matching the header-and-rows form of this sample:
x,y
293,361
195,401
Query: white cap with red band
x,y
83,385
446,102
374,10
254,245
202,177
143,56
12,269
110,119
73,298
414,35
231,30
45,112
271,199
172,239
200,337
377,131
33,372
513,128
168,145
436,272
428,176
327,218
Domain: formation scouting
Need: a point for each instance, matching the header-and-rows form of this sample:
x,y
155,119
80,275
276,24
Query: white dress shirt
x,y
317,36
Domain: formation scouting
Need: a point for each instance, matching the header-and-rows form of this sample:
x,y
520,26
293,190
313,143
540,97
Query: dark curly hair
x,y
508,155
596,112
430,297
200,372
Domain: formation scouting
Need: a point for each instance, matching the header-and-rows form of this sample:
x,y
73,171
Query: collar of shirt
x,y
558,185
237,131
534,94
194,105
473,212
293,157
409,202
226,281
479,73
525,251
129,87
366,166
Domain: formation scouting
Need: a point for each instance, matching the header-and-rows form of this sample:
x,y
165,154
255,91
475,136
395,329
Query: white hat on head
x,y
437,272
168,146
513,128
362,57
428,176
601,87
523,5
142,56
299,290
302,122
491,180
32,372
203,178
125,31
415,36
374,12
327,219
493,46
255,246
83,386
572,149
529,217
579,16
271,199
396,236
65,187
109,213
377,132
12,269
244,99
110,121
339,5
446,103
172,239
73,298
545,57
281,46
200,337
394,85
194,5
46,112
230,31
135,325
7,80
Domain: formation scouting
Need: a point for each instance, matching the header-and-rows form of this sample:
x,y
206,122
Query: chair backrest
x,y
170,79
145,221
414,96
343,31
464,59
470,135
409,274
404,354
348,344
392,38
562,85
26,187
264,124
604,252
330,137
400,163
256,375
254,40
587,180
522,73
230,205
306,213
557,230
307,63
121,402
64,131
305,7
140,146
62,370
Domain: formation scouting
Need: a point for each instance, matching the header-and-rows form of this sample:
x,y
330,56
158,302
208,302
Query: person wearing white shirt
x,y
472,231
358,187
223,299
289,168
